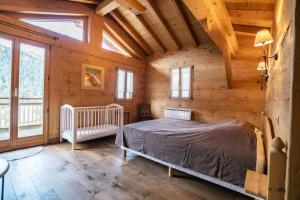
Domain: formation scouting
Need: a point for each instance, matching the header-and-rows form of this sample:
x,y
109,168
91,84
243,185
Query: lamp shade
x,y
262,38
261,66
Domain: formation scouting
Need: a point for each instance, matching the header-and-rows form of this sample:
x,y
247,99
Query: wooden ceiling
x,y
249,16
158,26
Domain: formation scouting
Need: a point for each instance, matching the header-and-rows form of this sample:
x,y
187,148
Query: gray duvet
x,y
224,150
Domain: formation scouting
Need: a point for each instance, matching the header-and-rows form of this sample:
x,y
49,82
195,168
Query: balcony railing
x,y
30,112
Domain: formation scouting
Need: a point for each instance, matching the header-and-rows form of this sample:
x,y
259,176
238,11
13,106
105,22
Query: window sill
x,y
181,99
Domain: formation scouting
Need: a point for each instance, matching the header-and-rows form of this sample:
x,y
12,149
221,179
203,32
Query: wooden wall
x,y
211,100
66,84
281,99
66,59
294,190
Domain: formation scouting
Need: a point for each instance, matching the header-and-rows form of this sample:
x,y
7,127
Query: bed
x,y
203,150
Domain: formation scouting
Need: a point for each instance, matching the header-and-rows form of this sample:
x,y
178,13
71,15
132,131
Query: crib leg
x,y
124,153
171,172
73,146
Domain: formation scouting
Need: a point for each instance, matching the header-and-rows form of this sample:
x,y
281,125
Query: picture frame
x,y
92,77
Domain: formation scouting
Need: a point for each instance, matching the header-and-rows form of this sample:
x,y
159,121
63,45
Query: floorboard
x,y
98,172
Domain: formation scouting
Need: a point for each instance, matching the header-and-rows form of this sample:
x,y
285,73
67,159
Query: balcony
x,y
30,117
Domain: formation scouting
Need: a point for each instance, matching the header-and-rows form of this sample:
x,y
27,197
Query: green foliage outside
x,y
31,72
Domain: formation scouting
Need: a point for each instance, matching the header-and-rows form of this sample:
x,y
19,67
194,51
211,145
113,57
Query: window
x,y
110,44
181,82
124,84
72,27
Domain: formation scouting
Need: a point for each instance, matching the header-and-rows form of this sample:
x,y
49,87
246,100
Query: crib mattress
x,y
91,132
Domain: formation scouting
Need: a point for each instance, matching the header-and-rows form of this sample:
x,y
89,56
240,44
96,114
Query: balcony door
x,y
23,93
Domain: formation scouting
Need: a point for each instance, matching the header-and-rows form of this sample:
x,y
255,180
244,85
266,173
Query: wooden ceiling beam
x,y
94,2
216,21
265,5
151,33
118,35
243,30
49,7
150,5
183,21
133,6
131,31
106,7
252,18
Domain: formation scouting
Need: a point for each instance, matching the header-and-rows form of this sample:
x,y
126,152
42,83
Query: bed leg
x,y
73,146
171,172
124,153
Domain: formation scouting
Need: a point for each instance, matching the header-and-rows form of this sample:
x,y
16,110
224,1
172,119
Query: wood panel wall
x,y
281,97
211,100
67,56
65,84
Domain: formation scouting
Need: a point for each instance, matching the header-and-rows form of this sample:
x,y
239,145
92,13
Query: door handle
x,y
16,92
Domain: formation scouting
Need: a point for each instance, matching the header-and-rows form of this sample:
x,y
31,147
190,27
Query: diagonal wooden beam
x,y
151,33
133,6
216,22
131,31
182,20
123,39
150,6
106,7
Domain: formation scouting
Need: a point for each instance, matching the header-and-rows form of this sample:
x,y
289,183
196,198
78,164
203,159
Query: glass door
x,y
30,86
31,90
23,93
6,60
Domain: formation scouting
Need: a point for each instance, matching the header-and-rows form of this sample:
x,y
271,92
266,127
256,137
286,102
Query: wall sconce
x,y
264,38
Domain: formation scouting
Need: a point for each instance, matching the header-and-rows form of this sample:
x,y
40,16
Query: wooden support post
x,y
277,170
171,172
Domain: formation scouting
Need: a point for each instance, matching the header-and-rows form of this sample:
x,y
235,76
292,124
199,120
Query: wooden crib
x,y
78,124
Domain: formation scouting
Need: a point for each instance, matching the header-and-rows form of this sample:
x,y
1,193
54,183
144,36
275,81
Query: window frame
x,y
179,83
57,17
125,89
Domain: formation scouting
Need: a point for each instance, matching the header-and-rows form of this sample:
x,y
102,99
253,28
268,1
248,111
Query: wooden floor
x,y
99,172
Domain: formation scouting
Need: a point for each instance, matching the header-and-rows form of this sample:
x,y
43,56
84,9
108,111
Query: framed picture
x,y
92,77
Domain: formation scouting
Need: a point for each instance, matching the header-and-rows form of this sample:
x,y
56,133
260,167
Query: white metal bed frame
x,y
185,114
78,124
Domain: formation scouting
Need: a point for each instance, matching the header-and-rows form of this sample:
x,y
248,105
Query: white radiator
x,y
178,113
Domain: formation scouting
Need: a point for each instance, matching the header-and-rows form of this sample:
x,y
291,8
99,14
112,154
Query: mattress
x,y
92,132
224,150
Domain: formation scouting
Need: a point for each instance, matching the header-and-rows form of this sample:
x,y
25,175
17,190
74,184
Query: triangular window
x,y
72,27
110,44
